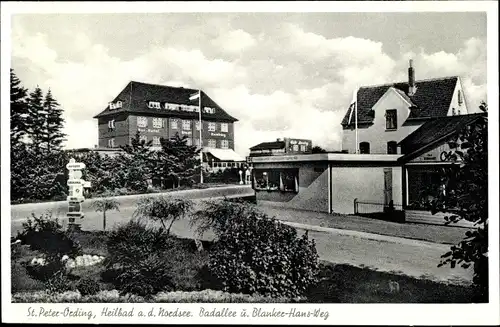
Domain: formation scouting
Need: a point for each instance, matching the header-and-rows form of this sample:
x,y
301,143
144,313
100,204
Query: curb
x,y
368,236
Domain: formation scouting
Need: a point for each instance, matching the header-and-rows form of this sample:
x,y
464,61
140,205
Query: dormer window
x,y
391,119
154,105
118,104
112,106
209,110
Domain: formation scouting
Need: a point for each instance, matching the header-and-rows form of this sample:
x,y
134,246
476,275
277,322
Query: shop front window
x,y
279,180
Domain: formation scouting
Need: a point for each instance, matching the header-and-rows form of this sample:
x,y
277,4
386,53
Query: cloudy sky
x,y
280,74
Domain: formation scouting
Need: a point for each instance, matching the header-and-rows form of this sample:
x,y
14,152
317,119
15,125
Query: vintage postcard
x,y
310,163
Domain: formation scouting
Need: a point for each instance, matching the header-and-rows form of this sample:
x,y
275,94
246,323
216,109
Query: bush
x,y
46,235
219,215
259,255
163,209
88,286
140,259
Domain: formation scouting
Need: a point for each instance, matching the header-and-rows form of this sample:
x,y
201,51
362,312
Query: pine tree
x,y
37,119
18,110
54,123
183,158
138,162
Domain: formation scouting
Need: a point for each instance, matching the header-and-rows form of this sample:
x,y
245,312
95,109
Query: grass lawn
x,y
338,284
431,233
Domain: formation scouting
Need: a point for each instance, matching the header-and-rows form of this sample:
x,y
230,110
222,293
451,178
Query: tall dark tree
x,y
18,110
137,163
54,124
37,120
182,159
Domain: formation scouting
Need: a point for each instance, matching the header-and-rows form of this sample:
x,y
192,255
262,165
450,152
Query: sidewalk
x,y
429,233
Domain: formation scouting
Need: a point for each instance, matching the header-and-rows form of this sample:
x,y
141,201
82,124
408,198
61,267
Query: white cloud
x,y
234,41
293,84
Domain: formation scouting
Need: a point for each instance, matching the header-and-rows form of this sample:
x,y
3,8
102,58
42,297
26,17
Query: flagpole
x,y
356,119
201,142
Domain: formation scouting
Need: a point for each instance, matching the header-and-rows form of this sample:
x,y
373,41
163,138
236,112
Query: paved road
x,y
410,257
93,220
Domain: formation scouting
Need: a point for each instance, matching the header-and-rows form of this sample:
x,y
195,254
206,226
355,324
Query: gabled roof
x,y
433,98
434,131
136,95
269,145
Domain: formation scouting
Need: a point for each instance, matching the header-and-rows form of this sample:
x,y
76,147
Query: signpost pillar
x,y
75,197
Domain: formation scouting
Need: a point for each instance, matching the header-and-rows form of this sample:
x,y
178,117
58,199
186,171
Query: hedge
x,y
113,296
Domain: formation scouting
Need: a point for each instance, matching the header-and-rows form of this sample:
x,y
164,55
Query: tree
x,y
18,110
37,119
181,157
103,205
465,196
318,149
137,163
54,123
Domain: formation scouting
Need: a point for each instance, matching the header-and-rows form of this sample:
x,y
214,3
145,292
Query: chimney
x,y
411,80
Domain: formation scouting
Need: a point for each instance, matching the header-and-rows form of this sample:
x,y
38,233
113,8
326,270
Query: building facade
x,y
158,111
390,112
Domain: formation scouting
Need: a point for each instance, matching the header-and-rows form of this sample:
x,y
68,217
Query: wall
x,y
313,187
454,101
363,183
119,133
376,134
126,127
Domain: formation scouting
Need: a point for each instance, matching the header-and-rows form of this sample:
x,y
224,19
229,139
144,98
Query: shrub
x,y
261,255
163,209
88,286
113,296
218,215
46,235
140,259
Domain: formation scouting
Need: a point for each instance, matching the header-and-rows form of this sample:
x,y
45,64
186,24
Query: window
x,y
224,127
112,106
111,125
173,124
224,144
186,125
111,143
209,110
118,104
142,122
460,98
189,142
143,138
212,143
284,180
157,123
156,140
392,147
170,106
154,105
364,147
303,148
212,127
295,147
198,125
391,120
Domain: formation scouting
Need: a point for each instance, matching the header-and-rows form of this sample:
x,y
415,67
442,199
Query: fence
x,y
377,210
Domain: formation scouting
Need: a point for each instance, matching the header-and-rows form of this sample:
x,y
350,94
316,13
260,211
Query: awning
x,y
224,154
